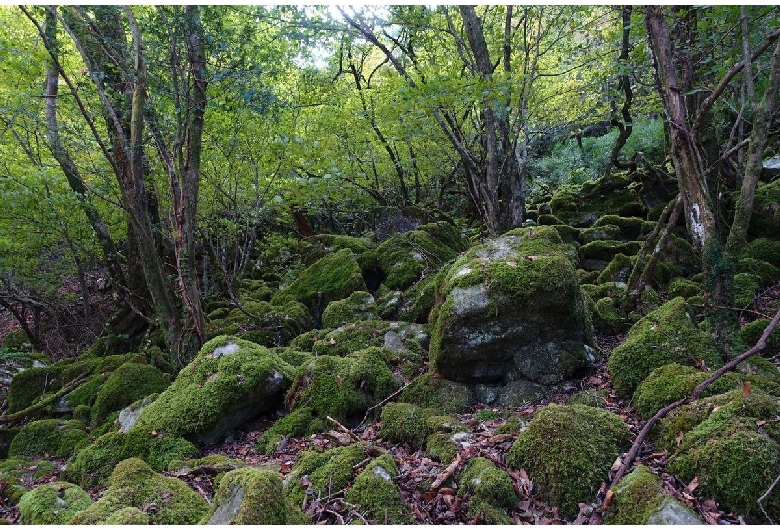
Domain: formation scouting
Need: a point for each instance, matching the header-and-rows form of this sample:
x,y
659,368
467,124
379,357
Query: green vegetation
x,y
375,492
490,489
567,451
128,383
57,438
328,471
53,503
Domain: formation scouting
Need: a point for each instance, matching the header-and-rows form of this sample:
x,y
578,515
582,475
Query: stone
x,y
672,512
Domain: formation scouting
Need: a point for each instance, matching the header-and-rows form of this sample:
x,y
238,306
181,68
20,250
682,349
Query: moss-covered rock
x,y
682,287
746,287
617,270
490,491
263,323
92,465
229,382
57,438
300,421
360,305
766,210
512,309
752,332
630,228
377,495
325,472
567,451
597,255
768,273
763,249
342,387
429,390
419,300
128,515
6,437
251,496
639,499
133,483
407,257
664,336
358,336
53,503
598,233
608,317
421,428
734,453
591,398
128,383
581,206
16,341
333,277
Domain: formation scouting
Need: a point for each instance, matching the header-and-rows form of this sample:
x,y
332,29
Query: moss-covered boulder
x,y
377,495
53,503
430,390
229,382
300,421
618,270
133,483
763,249
768,273
342,387
262,323
639,499
597,255
422,428
93,464
407,257
128,383
746,287
512,309
360,305
629,228
581,206
395,336
323,472
333,277
732,446
766,210
489,491
251,496
57,438
752,332
664,336
567,451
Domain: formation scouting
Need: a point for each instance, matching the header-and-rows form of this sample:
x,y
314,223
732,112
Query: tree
x,y
689,91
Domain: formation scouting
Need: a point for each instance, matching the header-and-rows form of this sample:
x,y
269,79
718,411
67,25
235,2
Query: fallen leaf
x,y
760,423
608,499
680,438
693,484
746,389
338,379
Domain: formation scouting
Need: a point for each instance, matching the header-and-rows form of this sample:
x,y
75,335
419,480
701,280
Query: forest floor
x,y
445,505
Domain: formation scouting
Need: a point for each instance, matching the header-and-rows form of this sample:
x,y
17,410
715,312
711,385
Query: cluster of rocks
x,y
454,323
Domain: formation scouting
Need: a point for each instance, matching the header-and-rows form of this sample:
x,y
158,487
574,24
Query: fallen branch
x,y
764,496
381,403
631,456
22,414
447,473
344,429
371,450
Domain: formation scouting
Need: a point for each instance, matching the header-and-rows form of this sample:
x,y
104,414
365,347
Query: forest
x,y
389,264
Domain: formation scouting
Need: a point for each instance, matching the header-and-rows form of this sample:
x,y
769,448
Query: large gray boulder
x,y
512,310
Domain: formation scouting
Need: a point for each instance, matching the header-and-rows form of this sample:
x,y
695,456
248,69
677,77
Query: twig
x,y
344,429
764,496
381,403
447,473
631,456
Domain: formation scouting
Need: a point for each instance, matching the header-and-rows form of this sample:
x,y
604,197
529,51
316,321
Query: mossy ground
x,y
298,422
134,484
490,489
637,496
567,451
664,336
421,428
360,305
329,471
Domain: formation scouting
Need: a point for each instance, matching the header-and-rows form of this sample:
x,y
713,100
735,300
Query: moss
x,y
671,382
408,256
406,423
359,305
488,487
134,484
299,422
568,234
375,492
607,317
259,496
618,270
441,447
746,286
216,387
86,394
420,299
306,341
292,356
766,271
752,332
352,337
605,231
263,323
6,437
597,254
734,463
129,515
128,383
343,388
57,438
684,288
13,490
53,503
637,497
766,214
513,425
257,290
664,336
631,228
93,465
547,219
27,469
429,390
315,247
327,472
334,277
763,249
567,451
16,341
